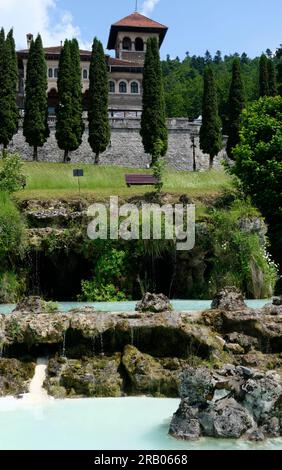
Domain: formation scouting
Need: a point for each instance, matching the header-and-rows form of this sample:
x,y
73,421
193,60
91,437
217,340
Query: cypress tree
x,y
263,76
8,89
153,121
278,60
272,83
210,133
77,113
99,127
69,123
35,125
236,105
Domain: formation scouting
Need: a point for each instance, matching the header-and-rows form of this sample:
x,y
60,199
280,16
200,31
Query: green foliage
x,y
278,63
11,176
77,108
183,83
92,292
272,82
239,257
12,287
263,76
8,88
99,127
210,133
35,124
49,307
109,273
236,105
11,231
158,167
259,156
69,125
153,122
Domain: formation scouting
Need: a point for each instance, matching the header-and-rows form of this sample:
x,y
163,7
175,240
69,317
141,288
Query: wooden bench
x,y
140,180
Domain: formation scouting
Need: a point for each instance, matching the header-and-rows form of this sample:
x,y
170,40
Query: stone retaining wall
x,y
126,148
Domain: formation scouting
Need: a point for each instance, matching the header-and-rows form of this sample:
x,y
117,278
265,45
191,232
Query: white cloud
x,y
148,6
36,16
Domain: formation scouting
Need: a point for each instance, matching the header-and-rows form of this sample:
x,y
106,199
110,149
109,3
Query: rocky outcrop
x,y
15,376
232,402
148,375
129,373
53,212
229,298
161,334
277,301
155,303
87,377
35,305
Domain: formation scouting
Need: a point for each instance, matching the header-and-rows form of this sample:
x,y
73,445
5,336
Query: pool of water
x,y
178,305
106,423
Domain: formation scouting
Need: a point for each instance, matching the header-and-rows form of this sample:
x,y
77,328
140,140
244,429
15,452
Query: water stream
x,y
36,392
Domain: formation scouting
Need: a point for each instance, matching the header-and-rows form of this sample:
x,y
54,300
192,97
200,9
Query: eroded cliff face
x,y
114,354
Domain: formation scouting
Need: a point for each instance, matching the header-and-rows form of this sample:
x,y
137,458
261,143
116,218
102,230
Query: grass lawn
x,y
55,180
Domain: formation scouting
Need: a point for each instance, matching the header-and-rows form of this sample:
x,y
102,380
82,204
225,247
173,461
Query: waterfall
x,y
64,345
102,344
93,339
36,392
132,336
2,350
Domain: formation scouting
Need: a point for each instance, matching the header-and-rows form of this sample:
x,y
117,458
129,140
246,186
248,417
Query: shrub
x,y
94,292
11,231
12,287
11,177
240,256
108,278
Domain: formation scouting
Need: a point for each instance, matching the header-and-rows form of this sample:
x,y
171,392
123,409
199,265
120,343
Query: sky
x,y
231,26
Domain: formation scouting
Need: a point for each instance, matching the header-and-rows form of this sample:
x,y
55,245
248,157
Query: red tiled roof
x,y
110,60
136,20
113,61
54,50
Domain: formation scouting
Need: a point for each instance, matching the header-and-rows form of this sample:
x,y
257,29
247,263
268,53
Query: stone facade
x,y
126,147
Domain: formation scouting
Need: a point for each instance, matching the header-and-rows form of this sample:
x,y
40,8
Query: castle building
x,y
128,38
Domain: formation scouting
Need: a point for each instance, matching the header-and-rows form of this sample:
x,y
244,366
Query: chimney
x,y
29,38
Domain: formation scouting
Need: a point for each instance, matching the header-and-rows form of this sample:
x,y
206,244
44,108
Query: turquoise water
x,y
178,305
94,424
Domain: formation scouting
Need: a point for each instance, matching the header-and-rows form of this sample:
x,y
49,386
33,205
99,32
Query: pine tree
x,y
153,122
210,133
218,58
8,89
272,83
99,127
35,125
68,124
263,76
236,105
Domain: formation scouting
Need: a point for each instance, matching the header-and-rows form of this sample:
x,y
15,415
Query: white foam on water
x,y
36,392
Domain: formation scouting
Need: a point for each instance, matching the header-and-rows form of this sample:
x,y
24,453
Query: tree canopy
x,y
99,127
153,121
35,125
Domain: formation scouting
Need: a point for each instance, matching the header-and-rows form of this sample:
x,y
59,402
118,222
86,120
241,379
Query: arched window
x,y
56,73
50,73
122,87
112,87
85,74
139,44
134,87
126,44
